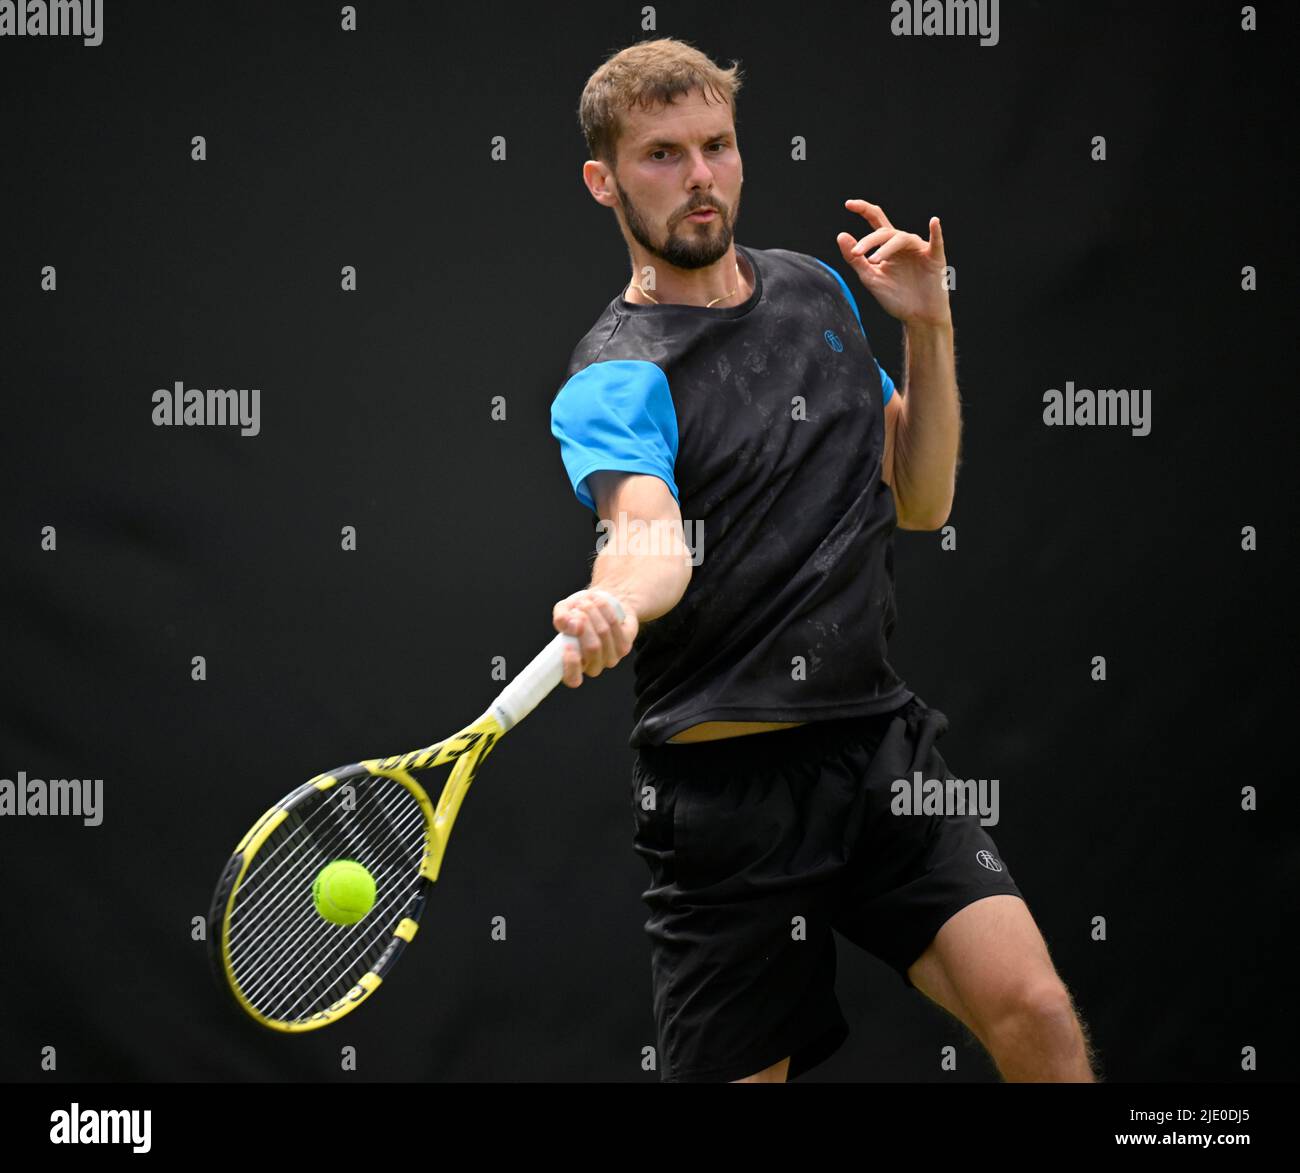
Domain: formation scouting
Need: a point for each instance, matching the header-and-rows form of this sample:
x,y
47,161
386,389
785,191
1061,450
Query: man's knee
x,y
1040,1009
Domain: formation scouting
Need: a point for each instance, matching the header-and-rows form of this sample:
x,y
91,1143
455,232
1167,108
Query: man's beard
x,y
683,250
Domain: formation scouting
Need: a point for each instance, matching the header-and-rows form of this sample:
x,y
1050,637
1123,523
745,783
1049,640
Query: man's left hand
x,y
905,273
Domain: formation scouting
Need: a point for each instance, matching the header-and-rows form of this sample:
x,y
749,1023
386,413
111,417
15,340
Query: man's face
x,y
672,162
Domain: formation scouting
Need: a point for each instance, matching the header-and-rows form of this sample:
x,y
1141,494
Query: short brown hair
x,y
649,73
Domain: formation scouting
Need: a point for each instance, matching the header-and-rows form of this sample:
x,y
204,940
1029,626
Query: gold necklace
x,y
710,305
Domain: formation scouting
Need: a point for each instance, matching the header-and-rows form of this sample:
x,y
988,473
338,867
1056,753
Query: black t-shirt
x,y
766,420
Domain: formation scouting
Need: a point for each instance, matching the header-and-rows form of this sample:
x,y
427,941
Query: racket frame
x,y
466,749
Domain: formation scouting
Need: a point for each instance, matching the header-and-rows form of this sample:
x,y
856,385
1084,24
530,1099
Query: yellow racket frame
x,y
466,749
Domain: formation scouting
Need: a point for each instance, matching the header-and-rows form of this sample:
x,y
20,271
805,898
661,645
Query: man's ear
x,y
597,178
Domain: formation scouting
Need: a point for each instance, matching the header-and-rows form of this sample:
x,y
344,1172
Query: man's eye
x,y
721,145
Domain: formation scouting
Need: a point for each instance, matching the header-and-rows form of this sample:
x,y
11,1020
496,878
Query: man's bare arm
x,y
927,430
644,562
905,274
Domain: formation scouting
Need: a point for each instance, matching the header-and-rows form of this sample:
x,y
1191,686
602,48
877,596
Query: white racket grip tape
x,y
539,678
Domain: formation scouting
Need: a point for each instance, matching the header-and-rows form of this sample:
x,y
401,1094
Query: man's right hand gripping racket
x,y
295,964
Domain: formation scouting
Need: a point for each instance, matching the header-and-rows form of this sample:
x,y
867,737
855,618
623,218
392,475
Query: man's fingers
x,y
874,213
602,638
585,622
595,633
564,618
572,667
871,240
604,620
936,238
620,642
897,243
624,639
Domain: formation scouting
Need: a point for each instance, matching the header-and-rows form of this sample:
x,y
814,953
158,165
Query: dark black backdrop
x,y
476,277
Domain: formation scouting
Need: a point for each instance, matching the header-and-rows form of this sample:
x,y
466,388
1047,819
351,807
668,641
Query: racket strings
x,y
287,960
291,864
268,876
292,926
322,979
313,947
304,954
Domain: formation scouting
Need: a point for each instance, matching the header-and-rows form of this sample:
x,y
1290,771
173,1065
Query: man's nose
x,y
701,172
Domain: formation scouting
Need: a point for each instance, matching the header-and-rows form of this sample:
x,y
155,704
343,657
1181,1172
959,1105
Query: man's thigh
x,y
987,961
914,869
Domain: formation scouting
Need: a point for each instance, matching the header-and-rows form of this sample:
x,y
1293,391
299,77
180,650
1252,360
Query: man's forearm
x,y
928,438
651,576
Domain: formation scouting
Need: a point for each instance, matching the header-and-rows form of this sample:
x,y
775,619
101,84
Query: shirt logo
x,y
833,341
988,860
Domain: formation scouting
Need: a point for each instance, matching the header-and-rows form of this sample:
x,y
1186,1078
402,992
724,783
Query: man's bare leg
x,y
988,966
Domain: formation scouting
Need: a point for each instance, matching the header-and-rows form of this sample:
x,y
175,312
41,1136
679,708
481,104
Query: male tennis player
x,y
735,387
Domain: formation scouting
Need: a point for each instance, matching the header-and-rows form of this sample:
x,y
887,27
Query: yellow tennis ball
x,y
343,892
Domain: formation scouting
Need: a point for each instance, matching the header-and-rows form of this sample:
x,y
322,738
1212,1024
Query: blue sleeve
x,y
885,381
616,415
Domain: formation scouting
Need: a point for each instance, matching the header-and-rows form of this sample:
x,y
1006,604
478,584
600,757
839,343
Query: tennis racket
x,y
286,965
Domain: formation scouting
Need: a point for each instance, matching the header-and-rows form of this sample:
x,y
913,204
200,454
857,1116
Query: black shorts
x,y
745,834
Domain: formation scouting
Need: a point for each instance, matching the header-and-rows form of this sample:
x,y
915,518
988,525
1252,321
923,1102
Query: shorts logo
x,y
833,341
988,860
